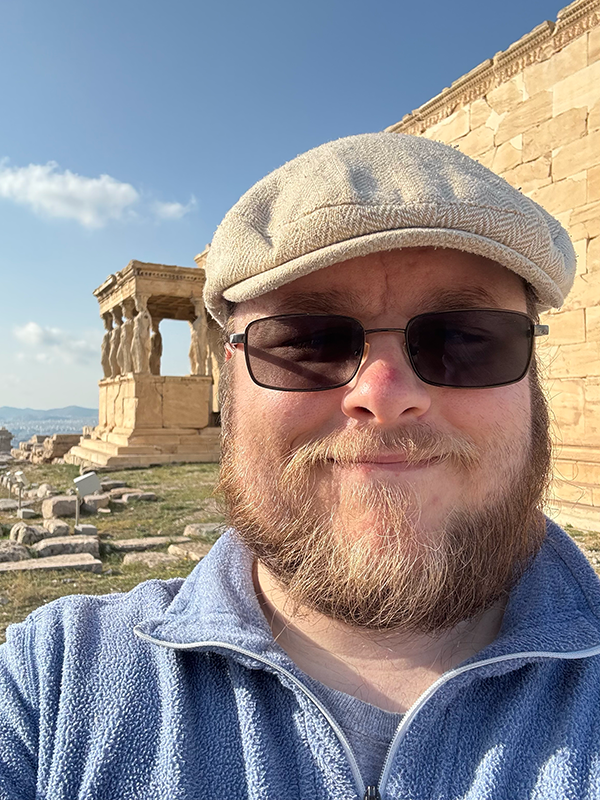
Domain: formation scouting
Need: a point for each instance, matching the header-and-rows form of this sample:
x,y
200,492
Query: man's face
x,y
387,502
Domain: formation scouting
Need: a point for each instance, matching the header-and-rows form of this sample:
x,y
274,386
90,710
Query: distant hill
x,y
8,413
23,423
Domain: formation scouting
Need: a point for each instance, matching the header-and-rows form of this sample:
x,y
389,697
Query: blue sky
x,y
129,128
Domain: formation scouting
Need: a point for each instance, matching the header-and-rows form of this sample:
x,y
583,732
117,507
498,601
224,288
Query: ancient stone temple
x,y
532,114
145,417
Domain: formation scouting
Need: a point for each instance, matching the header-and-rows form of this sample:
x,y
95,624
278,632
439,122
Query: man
x,y
390,615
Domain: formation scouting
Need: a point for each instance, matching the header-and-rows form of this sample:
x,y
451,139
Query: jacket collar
x,y
555,608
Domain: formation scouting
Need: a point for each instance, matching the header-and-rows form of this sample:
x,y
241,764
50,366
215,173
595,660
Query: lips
x,y
391,460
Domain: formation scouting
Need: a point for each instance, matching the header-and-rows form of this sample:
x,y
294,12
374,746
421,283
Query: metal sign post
x,y
88,483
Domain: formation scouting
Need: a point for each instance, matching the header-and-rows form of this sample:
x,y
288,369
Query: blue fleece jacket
x,y
177,690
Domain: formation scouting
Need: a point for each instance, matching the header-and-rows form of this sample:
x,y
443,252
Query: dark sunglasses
x,y
475,348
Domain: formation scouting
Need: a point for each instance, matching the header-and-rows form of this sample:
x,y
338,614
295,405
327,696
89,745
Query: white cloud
x,y
92,202
53,345
48,191
174,210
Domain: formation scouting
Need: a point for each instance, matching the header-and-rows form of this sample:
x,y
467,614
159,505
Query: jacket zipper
x,y
360,785
374,792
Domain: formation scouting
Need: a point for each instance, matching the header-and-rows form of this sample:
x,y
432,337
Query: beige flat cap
x,y
380,191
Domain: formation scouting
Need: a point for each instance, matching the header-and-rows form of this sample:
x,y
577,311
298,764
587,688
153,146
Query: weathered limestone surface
x,y
84,529
83,561
59,506
27,534
202,528
11,551
150,559
532,114
92,502
5,440
146,543
56,527
194,551
64,545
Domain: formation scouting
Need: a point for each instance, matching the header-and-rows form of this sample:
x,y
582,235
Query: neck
x,y
389,669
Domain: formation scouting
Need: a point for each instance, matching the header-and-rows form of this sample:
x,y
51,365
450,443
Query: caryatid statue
x,y
124,356
142,324
115,340
156,347
105,350
199,339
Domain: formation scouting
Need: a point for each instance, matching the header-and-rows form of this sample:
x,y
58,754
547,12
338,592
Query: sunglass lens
x,y
470,349
303,352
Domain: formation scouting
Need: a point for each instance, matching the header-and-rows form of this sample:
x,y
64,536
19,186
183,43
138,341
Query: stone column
x,y
156,347
142,325
5,440
124,354
115,339
198,352
105,350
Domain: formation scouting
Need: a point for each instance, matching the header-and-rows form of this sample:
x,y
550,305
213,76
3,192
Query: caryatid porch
x,y
145,417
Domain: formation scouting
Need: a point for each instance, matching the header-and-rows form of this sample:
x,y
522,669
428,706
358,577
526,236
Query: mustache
x,y
413,444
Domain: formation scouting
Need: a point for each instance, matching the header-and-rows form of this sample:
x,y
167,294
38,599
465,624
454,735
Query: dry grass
x,y
185,495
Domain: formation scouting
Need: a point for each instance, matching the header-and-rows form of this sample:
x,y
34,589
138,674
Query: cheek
x,y
285,419
489,416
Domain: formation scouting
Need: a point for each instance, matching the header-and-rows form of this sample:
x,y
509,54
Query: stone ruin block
x,y
11,551
80,561
45,490
5,440
27,534
59,444
86,530
56,527
59,506
92,502
67,545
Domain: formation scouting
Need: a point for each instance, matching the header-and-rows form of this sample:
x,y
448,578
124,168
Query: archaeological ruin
x,y
147,418
532,114
6,438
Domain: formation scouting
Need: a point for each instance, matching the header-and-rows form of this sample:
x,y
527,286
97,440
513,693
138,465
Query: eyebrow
x,y
347,302
332,301
455,299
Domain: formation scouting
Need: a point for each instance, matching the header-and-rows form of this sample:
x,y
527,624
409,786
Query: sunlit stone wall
x,y
532,114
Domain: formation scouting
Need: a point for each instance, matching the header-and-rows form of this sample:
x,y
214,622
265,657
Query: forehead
x,y
398,282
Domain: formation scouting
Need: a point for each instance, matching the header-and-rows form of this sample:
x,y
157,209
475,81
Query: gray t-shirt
x,y
369,729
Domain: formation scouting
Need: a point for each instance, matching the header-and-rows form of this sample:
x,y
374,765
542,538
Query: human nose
x,y
386,390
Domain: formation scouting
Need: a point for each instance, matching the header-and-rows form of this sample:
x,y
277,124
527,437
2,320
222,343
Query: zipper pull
x,y
372,793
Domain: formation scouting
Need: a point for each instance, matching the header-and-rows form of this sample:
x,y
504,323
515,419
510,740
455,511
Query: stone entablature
x,y
539,45
170,289
532,114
